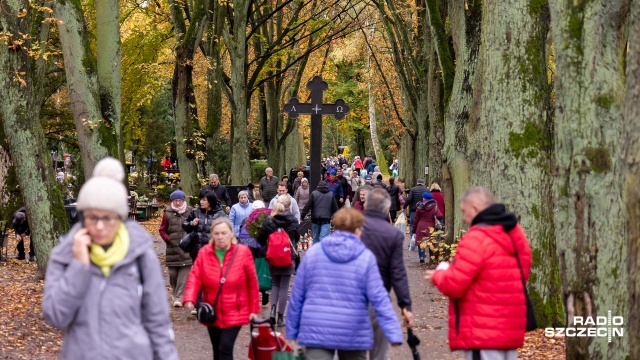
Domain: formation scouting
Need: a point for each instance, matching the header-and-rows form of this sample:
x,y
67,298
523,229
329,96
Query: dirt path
x,y
429,307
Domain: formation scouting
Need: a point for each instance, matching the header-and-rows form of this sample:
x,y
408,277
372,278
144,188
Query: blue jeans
x,y
320,231
421,253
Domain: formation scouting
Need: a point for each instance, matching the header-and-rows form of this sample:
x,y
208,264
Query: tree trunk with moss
x,y
21,78
96,135
631,153
109,68
190,143
236,41
515,115
590,44
463,111
410,44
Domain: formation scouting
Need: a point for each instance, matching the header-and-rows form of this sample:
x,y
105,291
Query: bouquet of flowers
x,y
255,220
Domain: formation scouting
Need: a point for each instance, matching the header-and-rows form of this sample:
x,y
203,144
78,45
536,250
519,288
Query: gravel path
x,y
429,308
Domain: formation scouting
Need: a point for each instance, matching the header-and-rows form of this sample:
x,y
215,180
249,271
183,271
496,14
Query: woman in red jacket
x,y
424,222
238,300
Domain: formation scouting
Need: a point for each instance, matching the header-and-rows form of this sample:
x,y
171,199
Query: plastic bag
x,y
264,275
412,243
401,224
347,203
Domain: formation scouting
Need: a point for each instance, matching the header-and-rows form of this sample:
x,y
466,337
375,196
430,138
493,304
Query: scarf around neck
x,y
105,259
181,209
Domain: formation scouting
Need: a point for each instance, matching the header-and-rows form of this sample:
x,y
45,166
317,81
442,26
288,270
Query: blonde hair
x,y
285,200
435,186
225,221
348,219
278,208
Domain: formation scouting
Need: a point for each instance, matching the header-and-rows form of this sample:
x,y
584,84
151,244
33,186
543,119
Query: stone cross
x,y
316,109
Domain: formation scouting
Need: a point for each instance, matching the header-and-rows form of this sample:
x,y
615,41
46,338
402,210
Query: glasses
x,y
94,220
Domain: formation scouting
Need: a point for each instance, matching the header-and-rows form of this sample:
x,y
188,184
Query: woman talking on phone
x,y
104,285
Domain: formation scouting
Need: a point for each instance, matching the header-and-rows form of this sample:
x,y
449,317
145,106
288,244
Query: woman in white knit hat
x,y
104,285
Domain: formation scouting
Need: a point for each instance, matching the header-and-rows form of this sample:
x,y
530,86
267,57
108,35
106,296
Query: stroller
x,y
265,341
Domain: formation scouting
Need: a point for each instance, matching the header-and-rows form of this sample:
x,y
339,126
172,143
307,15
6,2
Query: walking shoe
x,y
280,320
32,259
421,260
177,304
194,312
265,298
272,315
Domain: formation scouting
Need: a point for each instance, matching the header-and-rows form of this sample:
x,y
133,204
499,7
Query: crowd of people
x,y
105,268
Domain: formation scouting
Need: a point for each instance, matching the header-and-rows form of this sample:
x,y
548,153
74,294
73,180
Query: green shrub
x,y
257,170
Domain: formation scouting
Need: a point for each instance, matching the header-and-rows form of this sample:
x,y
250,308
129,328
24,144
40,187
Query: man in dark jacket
x,y
218,189
378,183
20,225
413,198
322,205
385,241
268,186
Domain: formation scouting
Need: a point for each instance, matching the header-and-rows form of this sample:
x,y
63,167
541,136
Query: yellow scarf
x,y
116,252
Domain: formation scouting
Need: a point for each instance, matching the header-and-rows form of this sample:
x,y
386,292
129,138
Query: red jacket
x,y
439,198
239,296
424,221
357,164
487,308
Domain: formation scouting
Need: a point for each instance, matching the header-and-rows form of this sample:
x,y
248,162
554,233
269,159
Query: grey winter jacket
x,y
124,316
415,196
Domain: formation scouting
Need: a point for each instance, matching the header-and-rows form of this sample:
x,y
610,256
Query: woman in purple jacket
x,y
326,315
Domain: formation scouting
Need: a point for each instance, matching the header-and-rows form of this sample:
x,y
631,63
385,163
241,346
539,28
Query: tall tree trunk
x,y
373,126
373,130
10,197
95,135
631,153
590,89
20,107
513,57
189,141
236,41
466,30
109,69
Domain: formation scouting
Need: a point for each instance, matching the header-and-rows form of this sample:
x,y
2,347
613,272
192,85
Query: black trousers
x,y
393,215
223,341
32,251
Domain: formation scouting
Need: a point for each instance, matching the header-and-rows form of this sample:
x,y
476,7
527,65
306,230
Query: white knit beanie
x,y
105,190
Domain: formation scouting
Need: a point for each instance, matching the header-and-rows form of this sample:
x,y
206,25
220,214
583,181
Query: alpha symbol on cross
x,y
316,109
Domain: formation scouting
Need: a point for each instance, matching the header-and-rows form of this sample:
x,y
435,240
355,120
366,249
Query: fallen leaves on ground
x,y
537,346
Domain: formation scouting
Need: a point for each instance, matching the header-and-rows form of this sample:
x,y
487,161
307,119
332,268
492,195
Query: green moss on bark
x,y
599,158
536,7
604,101
536,212
530,142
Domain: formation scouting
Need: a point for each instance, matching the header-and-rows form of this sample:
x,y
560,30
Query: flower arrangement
x,y
255,220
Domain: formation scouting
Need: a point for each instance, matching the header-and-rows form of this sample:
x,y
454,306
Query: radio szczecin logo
x,y
590,326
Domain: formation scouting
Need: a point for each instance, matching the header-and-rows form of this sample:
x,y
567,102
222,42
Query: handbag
x,y
206,313
400,199
532,323
187,243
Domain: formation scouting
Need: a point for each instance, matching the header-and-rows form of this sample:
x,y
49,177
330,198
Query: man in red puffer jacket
x,y
487,308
